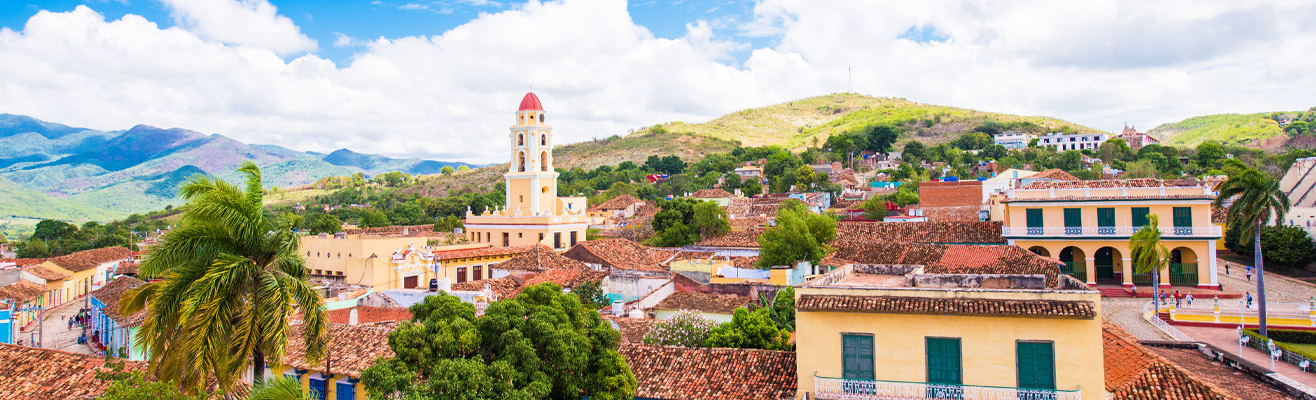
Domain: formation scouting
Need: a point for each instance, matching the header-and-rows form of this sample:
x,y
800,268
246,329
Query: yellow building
x,y
1087,225
894,331
533,214
377,261
83,272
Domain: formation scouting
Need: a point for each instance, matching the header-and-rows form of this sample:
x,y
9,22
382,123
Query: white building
x,y
1073,141
1014,140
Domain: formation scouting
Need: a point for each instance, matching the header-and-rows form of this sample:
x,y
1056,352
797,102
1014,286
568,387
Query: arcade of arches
x,y
1109,262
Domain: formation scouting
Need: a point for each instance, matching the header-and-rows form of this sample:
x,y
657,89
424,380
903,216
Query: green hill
x,y
1259,130
27,203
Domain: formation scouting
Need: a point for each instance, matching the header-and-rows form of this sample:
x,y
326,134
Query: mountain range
x,y
50,170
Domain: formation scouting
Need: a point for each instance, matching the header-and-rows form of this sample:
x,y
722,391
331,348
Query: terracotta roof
x,y
1219,215
1112,183
619,253
617,203
88,259
712,194
632,329
742,261
480,252
752,221
1054,174
922,232
368,315
646,210
1207,369
44,273
704,302
22,291
1134,373
352,348
396,230
503,287
668,372
847,204
949,306
1112,198
732,239
112,293
23,261
530,103
540,258
952,214
127,268
566,278
41,374
946,258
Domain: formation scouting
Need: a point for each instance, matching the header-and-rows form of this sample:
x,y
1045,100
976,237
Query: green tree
x,y
731,181
133,385
230,279
408,214
750,330
371,218
914,151
799,235
591,295
685,328
279,388
1260,200
541,344
463,168
1287,246
322,223
1115,149
805,178
973,141
448,224
33,248
751,187
781,307
447,170
1150,256
677,235
1209,155
709,219
49,229
1070,160
881,138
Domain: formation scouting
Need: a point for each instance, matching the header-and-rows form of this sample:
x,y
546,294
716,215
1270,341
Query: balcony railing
x,y
863,389
1107,231
1075,269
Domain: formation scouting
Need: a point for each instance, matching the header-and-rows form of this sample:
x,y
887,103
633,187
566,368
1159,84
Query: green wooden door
x,y
1183,221
1035,222
1036,364
1140,216
857,357
1105,221
944,361
1073,221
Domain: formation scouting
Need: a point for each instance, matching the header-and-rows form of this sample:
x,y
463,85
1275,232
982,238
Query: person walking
x,y
1226,267
1249,273
1249,300
1135,291
1177,299
1189,297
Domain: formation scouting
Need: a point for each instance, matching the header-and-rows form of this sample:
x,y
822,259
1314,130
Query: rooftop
x,y
88,259
539,258
632,330
112,293
733,239
617,203
352,348
708,303
1112,183
712,194
22,291
667,372
1135,373
368,315
479,252
504,287
41,374
620,253
1054,174
530,103
44,273
922,232
947,258
566,278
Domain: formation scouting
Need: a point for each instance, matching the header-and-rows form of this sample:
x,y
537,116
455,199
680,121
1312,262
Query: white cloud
x,y
243,22
451,96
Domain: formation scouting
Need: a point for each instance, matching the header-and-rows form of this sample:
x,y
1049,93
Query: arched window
x,y
521,162
543,140
543,161
520,139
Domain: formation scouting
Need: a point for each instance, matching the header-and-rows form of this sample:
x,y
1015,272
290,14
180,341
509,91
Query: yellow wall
x,y
987,342
331,386
528,235
1200,249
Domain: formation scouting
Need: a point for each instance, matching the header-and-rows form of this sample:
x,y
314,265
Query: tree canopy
x,y
799,235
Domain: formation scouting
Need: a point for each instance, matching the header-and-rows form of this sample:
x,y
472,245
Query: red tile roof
x,y
949,306
704,302
1113,183
480,252
712,194
540,258
668,372
397,230
1111,198
88,259
352,348
733,239
922,232
45,273
502,287
127,268
566,278
946,258
620,253
40,374
1135,373
952,214
23,261
112,293
618,203
1054,174
1219,215
368,315
22,291
632,330
530,103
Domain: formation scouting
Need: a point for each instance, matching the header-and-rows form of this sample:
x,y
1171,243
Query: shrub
x,y
685,328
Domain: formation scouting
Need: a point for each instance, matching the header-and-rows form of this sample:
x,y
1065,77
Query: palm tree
x,y
1149,254
229,281
1260,200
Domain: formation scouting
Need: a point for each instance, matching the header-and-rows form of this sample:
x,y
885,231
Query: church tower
x,y
531,180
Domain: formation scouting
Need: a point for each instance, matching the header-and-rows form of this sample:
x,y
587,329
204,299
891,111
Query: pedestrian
x,y
1135,291
1249,300
1177,298
1226,267
1190,299
1249,273
70,324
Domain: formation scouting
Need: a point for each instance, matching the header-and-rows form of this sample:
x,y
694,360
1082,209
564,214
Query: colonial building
x,y
1136,140
960,335
1087,225
534,214
1073,141
399,261
1014,140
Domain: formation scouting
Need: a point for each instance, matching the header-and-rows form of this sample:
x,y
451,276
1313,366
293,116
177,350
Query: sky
x,y
441,79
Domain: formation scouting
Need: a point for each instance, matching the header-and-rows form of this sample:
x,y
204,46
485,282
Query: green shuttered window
x,y
944,361
1140,216
1036,364
1183,216
857,356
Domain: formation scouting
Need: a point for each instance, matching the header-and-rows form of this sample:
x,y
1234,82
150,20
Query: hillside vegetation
x,y
1259,130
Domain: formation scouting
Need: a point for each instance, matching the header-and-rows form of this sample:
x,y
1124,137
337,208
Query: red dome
x,y
530,103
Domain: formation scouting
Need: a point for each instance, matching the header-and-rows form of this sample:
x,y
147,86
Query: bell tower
x,y
531,180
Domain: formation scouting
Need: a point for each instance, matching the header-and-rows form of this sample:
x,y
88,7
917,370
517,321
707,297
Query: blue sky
x,y
440,79
324,20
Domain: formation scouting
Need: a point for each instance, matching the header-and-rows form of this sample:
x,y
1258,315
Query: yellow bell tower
x,y
531,180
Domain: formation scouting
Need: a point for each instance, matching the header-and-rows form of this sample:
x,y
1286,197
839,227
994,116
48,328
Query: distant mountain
x,y
51,170
1259,130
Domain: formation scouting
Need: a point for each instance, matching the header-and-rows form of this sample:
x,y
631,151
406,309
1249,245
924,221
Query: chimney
x,y
353,319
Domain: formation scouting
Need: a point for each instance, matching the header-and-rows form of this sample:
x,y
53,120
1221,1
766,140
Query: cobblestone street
x,y
1127,313
1278,288
57,334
